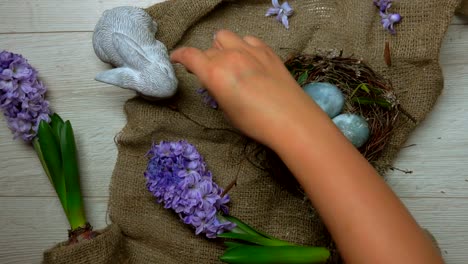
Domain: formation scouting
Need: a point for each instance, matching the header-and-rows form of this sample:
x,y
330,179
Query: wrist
x,y
303,129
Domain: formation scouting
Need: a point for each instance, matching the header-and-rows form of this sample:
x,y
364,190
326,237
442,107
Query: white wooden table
x,y
55,35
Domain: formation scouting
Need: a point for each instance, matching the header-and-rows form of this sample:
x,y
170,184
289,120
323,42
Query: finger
x,y
193,59
255,42
212,52
230,40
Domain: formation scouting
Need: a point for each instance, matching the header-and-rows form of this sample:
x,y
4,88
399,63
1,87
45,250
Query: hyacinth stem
x,y
244,232
56,149
258,247
246,228
240,254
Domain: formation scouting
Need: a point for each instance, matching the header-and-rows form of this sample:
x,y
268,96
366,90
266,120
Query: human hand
x,y
250,83
260,97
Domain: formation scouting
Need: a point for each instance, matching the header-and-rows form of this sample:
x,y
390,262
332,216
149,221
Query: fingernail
x,y
217,45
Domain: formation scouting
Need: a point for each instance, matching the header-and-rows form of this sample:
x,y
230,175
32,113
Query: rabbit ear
x,y
129,50
122,77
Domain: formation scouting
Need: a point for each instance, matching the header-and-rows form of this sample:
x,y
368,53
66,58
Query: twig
x,y
402,170
408,115
231,184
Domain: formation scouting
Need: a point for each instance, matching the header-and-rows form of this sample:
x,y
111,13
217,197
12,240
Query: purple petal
x,y
278,17
285,21
7,85
275,3
181,183
287,9
272,11
21,96
22,71
388,5
395,18
6,74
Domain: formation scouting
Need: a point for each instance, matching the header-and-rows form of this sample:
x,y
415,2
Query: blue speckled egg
x,y
354,127
327,96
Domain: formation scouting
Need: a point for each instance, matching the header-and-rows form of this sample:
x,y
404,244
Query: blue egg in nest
x,y
355,128
327,96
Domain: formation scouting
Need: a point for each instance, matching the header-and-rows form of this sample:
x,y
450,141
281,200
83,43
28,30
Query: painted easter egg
x,y
354,127
327,96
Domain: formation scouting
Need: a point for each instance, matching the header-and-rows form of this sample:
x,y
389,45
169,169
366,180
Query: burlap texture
x,y
105,248
144,232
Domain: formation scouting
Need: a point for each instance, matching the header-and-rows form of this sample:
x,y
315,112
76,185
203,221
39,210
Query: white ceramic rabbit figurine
x,y
125,38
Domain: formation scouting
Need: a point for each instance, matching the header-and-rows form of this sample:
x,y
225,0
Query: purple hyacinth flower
x,y
388,20
207,98
177,176
282,12
21,96
383,5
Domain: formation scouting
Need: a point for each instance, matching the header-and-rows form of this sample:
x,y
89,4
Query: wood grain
x,y
454,49
446,219
57,15
30,225
438,159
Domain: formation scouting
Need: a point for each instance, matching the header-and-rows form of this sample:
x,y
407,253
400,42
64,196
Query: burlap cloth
x,y
144,232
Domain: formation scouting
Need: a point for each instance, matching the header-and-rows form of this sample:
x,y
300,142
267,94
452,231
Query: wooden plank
x,y
31,225
446,220
438,160
455,47
57,15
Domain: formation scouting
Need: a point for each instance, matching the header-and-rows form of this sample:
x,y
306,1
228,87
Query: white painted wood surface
x,y
55,35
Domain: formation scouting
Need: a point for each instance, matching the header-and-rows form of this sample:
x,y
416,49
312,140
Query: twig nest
x,y
354,127
327,96
370,109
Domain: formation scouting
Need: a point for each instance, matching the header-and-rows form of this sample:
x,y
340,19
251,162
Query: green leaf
x,y
230,244
37,148
246,228
370,101
76,214
363,87
303,78
50,151
56,123
255,239
265,255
